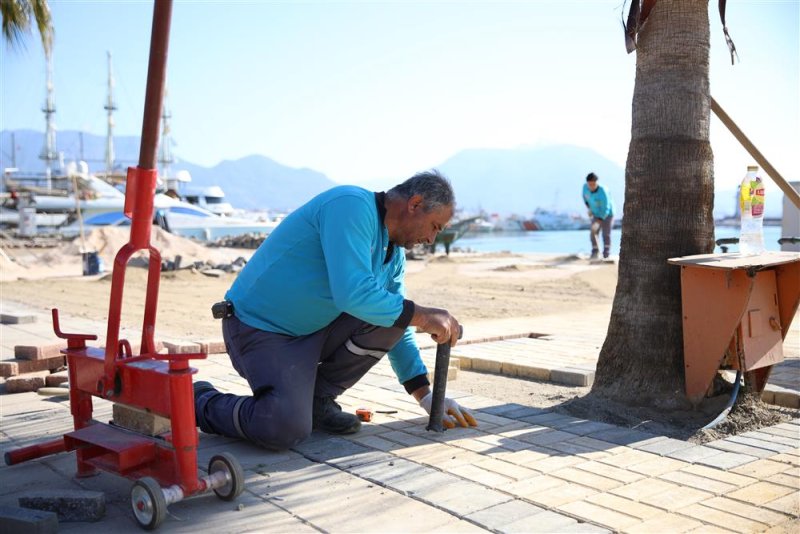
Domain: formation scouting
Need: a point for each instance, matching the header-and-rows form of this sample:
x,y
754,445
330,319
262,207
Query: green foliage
x,y
18,15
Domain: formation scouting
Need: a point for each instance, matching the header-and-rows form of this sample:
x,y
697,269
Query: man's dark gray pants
x,y
285,373
605,226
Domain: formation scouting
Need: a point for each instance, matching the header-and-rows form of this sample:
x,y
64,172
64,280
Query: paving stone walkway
x,y
523,469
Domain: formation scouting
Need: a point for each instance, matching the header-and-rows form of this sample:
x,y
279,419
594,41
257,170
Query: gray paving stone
x,y
407,439
462,497
545,437
503,409
361,458
17,318
583,528
622,436
726,460
421,481
21,520
524,411
665,446
68,504
740,448
543,419
693,454
544,522
583,428
772,445
326,450
503,514
385,472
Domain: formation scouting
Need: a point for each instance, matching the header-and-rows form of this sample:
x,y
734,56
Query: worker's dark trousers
x,y
285,373
599,224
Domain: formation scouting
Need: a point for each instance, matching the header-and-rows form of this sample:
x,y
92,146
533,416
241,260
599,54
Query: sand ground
x,y
469,285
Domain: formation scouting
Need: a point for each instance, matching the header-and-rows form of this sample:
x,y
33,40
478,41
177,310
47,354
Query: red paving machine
x,y
163,467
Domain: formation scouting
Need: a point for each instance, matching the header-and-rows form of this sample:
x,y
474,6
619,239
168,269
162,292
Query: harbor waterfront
x,y
577,241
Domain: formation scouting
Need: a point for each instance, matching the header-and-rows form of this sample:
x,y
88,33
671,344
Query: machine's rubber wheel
x,y
233,470
148,503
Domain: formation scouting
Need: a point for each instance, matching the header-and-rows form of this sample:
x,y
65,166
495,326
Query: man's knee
x,y
273,426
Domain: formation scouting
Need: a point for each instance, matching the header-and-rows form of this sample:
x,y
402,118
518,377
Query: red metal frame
x,y
161,384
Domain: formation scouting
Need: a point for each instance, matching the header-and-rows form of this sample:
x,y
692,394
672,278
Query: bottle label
x,y
757,202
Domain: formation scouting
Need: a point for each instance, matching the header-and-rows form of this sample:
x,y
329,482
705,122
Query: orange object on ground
x,y
364,414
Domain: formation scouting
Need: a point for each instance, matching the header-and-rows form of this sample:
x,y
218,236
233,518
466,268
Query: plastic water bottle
x,y
751,205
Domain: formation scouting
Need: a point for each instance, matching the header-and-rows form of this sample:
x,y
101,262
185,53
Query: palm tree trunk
x,y
669,197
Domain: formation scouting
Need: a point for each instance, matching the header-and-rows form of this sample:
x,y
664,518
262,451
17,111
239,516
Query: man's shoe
x,y
328,416
594,255
200,388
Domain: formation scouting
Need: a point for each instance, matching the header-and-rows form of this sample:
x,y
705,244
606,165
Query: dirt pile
x,y
64,258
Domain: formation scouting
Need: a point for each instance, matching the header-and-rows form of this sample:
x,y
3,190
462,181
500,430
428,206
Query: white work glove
x,y
453,413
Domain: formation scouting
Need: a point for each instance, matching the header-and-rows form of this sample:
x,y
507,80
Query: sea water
x,y
576,241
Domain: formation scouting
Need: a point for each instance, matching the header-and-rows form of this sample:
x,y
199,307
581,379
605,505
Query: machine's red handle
x,y
73,340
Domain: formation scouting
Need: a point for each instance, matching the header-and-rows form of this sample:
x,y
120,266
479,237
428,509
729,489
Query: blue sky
x,y
367,91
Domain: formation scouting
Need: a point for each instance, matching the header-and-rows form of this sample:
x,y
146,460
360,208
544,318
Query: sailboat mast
x,y
165,153
110,108
49,153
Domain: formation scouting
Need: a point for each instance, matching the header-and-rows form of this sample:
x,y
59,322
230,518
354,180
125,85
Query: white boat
x,y
180,218
102,204
547,219
210,198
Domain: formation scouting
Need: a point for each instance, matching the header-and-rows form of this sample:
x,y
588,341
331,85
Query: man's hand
x,y
453,413
442,326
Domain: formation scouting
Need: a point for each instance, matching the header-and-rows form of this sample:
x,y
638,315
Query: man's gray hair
x,y
431,185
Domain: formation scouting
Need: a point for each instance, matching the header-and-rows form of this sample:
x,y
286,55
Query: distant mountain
x,y
501,181
252,182
520,180
257,182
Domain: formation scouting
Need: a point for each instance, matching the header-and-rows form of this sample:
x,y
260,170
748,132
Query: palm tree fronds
x,y
17,17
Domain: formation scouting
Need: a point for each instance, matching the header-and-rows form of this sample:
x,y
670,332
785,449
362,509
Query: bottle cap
x,y
752,168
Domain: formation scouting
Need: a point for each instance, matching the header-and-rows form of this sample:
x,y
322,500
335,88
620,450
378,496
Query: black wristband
x,y
406,315
415,383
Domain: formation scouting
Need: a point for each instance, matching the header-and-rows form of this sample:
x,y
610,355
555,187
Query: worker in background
x,y
601,212
321,301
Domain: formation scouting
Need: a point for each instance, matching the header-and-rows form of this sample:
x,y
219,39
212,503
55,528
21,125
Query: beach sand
x,y
469,285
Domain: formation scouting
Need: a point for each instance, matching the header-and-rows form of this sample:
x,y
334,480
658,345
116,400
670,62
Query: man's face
x,y
592,185
418,226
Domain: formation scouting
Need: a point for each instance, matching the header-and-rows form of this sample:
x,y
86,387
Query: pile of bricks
x,y
34,367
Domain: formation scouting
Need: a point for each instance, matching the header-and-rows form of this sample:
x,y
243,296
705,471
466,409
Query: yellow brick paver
x,y
579,476
531,486
740,509
599,514
609,471
479,475
722,519
554,463
760,493
694,481
789,504
666,524
641,489
761,469
507,469
562,494
738,480
657,466
627,506
630,457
